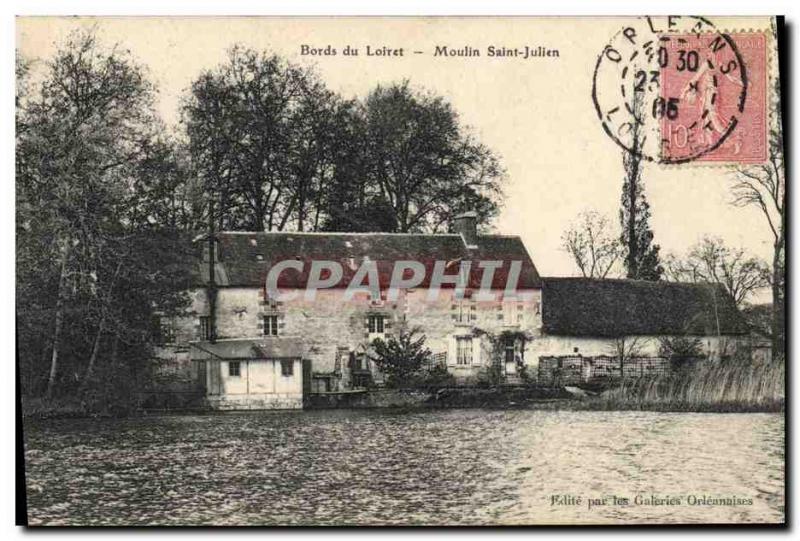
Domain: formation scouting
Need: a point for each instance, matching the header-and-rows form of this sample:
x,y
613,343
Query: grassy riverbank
x,y
68,408
730,386
735,385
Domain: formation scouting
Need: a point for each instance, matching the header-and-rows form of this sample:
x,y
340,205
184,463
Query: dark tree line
x,y
107,195
91,270
278,150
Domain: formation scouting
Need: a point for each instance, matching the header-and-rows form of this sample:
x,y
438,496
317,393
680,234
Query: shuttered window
x,y
270,325
512,313
464,311
205,328
464,350
376,324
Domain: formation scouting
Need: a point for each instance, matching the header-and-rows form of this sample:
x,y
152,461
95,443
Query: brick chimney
x,y
466,225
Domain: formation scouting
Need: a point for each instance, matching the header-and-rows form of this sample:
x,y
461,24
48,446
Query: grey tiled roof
x,y
266,348
245,258
608,308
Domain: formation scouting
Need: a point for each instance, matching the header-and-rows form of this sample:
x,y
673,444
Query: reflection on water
x,y
378,467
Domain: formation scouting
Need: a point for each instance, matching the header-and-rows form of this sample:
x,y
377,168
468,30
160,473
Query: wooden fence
x,y
575,369
436,360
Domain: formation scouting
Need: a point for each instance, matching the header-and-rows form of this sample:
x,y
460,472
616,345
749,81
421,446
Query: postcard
x,y
401,271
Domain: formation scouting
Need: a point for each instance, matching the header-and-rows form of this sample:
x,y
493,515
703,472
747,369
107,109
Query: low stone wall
x,y
449,397
504,396
271,401
380,398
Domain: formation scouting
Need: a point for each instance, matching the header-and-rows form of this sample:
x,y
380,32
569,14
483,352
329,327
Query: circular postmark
x,y
670,89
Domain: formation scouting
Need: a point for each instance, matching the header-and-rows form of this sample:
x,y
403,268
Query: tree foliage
x,y
423,163
263,134
88,278
641,254
401,358
277,150
680,350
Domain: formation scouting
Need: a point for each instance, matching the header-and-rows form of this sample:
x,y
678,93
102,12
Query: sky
x,y
536,114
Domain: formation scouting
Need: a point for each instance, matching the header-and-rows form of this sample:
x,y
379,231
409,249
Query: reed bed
x,y
732,385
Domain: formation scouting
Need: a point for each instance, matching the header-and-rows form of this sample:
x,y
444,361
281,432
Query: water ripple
x,y
378,467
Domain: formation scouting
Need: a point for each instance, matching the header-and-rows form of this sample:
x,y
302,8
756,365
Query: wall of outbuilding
x,y
714,347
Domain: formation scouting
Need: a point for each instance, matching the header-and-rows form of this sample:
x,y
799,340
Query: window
x,y
164,330
234,369
271,325
376,324
512,313
464,350
464,312
205,328
287,367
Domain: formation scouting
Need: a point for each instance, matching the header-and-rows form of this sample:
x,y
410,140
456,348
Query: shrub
x,y
438,376
401,358
681,350
490,376
524,374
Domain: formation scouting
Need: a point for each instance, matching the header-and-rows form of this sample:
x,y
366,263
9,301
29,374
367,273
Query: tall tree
x,y
711,261
764,187
424,163
277,150
593,244
641,255
316,136
352,201
163,189
260,131
84,130
89,130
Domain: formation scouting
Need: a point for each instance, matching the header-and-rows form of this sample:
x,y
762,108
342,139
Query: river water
x,y
370,467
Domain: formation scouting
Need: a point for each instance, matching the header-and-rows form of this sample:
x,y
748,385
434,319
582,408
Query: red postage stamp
x,y
714,96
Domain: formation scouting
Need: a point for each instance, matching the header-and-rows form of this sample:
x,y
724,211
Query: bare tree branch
x,y
593,244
